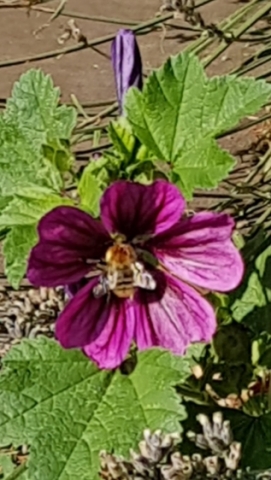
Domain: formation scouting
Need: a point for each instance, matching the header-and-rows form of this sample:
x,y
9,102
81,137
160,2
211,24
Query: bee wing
x,y
101,288
142,278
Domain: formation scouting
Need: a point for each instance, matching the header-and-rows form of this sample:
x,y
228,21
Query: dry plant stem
x,y
67,13
82,16
79,107
251,61
98,117
258,167
256,64
92,43
203,42
92,150
246,126
17,472
244,27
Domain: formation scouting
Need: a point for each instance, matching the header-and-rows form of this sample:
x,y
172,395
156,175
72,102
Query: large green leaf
x,y
16,248
90,191
22,163
254,433
34,108
29,205
251,303
22,215
68,410
33,120
34,152
180,112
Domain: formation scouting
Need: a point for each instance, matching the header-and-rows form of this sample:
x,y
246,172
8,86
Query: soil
x,y
87,73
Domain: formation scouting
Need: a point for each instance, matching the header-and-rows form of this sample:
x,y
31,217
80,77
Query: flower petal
x,y
174,320
104,329
68,238
199,250
134,209
127,63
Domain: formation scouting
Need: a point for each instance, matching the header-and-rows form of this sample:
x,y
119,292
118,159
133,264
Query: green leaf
x,y
89,191
180,112
29,205
6,465
211,166
121,135
252,301
59,154
22,163
125,143
16,248
68,410
32,124
22,215
34,108
254,433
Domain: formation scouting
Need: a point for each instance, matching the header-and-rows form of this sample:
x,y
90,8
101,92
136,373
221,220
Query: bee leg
x,y
102,288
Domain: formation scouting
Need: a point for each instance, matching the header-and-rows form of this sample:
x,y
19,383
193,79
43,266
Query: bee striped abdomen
x,y
123,273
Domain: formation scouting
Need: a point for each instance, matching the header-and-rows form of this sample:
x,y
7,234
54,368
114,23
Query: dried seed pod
x,y
28,313
113,467
233,456
212,464
156,445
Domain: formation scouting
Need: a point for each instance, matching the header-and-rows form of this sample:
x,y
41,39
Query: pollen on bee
x,y
120,256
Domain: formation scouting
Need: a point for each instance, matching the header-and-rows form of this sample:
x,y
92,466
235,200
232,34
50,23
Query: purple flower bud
x,y
127,63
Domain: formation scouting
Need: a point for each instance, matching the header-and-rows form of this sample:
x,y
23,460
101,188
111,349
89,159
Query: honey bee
x,y
123,273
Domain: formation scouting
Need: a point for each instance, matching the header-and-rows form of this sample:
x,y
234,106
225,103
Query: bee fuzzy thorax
x,y
123,273
120,256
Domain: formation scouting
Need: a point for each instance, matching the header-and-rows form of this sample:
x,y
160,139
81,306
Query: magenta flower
x,y
140,268
127,63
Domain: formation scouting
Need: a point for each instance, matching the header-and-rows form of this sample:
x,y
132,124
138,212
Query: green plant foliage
x,y
254,432
6,466
34,154
68,410
34,108
180,112
251,303
89,191
16,248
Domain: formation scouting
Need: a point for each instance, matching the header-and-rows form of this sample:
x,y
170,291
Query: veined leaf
x,y
68,410
180,112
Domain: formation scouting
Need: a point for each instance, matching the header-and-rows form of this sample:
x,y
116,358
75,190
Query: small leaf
x,y
126,144
89,191
178,118
121,135
68,410
58,154
16,248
